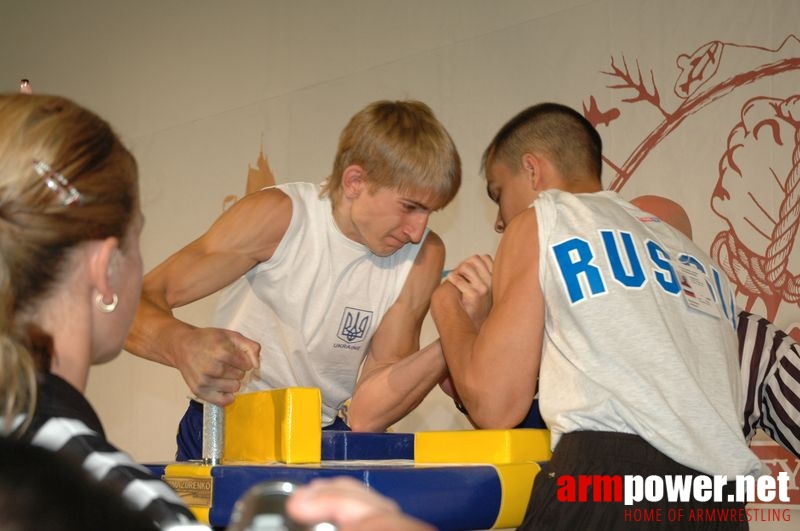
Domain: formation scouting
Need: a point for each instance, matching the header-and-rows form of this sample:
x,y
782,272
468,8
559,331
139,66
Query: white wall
x,y
198,88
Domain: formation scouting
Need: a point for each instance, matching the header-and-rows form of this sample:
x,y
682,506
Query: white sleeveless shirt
x,y
315,304
623,350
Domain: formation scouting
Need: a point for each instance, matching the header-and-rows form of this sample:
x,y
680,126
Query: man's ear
x,y
532,168
354,181
103,260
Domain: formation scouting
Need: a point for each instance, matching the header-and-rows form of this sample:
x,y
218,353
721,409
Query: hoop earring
x,y
102,306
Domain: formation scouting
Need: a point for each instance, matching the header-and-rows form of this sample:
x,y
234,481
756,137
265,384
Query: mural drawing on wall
x,y
757,166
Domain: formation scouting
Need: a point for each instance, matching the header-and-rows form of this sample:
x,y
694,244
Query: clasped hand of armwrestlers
x,y
473,280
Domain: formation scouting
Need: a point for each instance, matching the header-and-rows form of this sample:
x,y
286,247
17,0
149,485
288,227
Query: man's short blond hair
x,y
402,146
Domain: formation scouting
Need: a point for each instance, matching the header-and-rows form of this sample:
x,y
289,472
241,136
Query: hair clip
x,y
67,194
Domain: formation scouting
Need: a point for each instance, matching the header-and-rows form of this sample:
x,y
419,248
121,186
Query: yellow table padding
x,y
517,482
482,446
280,425
193,483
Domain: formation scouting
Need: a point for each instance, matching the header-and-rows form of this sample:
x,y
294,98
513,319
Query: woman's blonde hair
x,y
401,146
65,178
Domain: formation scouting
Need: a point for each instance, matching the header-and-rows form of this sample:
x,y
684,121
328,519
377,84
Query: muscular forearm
x,y
457,337
152,331
389,393
480,377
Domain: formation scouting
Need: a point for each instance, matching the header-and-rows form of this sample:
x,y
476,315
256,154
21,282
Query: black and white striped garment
x,y
64,422
770,366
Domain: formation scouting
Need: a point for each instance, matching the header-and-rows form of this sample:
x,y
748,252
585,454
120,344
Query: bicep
x,y
191,274
512,334
246,234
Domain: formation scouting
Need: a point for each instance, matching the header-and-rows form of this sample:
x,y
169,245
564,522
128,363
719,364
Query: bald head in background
x,y
667,210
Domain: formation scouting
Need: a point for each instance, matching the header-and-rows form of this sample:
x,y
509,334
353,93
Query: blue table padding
x,y
448,497
350,446
157,469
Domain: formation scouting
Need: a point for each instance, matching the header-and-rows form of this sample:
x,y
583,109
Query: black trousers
x,y
593,454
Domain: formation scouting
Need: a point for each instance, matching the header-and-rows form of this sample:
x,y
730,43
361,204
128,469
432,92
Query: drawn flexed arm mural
x,y
756,167
757,195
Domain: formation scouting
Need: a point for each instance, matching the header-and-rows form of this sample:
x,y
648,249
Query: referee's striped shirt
x,y
770,366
